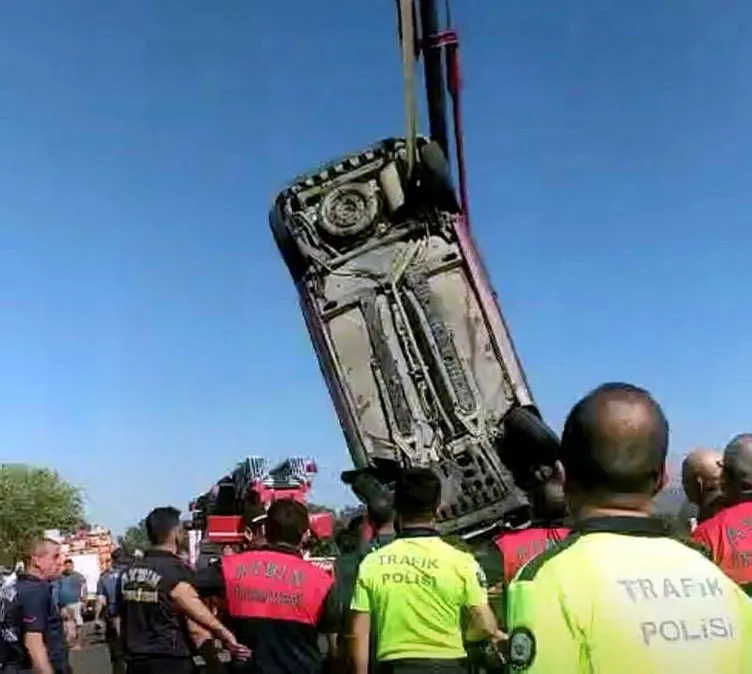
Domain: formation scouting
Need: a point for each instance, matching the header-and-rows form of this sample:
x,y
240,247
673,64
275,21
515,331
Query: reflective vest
x,y
273,585
519,547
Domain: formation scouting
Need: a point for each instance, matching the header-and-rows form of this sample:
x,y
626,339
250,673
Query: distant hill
x,y
672,502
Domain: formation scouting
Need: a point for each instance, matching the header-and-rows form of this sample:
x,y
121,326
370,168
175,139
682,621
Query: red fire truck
x,y
216,516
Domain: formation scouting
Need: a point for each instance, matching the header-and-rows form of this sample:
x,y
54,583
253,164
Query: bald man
x,y
728,534
628,597
701,479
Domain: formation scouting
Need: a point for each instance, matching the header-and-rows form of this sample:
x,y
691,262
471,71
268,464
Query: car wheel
x,y
437,178
527,445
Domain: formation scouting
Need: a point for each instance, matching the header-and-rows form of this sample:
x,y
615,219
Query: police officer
x,y
546,530
620,595
728,534
278,603
414,591
154,600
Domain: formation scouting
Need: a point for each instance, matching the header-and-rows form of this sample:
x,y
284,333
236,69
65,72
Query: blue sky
x,y
149,334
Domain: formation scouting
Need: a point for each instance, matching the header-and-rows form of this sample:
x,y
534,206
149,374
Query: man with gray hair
x,y
728,534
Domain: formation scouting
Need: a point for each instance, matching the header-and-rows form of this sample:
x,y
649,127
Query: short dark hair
x,y
615,441
68,560
286,522
118,556
160,523
417,493
381,510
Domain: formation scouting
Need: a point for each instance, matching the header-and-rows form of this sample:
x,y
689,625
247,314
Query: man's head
x,y
736,466
548,499
68,567
380,512
43,558
614,447
164,528
417,496
701,476
286,522
118,558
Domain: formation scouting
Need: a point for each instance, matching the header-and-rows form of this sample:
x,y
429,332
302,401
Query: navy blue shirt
x,y
107,588
34,609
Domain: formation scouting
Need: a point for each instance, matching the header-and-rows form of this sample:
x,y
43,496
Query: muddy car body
x,y
408,333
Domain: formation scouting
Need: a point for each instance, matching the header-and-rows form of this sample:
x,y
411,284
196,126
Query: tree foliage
x,y
134,538
32,500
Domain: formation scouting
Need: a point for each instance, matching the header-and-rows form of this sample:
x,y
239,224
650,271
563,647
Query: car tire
x,y
364,485
437,178
527,445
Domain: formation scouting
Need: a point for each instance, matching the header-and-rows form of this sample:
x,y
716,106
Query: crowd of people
x,y
595,583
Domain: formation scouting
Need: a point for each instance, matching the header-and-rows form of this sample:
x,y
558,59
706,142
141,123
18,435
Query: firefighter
x,y
701,479
547,529
278,603
728,534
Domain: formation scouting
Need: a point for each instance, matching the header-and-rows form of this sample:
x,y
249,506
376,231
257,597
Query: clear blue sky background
x,y
149,334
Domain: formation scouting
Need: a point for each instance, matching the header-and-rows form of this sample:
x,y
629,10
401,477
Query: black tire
x,y
527,445
365,485
437,178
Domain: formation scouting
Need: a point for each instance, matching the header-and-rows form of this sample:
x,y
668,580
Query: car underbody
x,y
417,357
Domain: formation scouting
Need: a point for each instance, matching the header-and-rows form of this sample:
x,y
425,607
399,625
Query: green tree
x,y
134,538
32,500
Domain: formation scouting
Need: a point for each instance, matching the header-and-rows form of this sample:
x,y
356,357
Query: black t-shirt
x,y
151,625
32,607
279,646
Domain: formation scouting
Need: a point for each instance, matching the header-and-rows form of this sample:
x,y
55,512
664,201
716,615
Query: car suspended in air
x,y
418,359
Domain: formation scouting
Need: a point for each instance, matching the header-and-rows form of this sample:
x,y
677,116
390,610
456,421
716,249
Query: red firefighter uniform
x,y
278,603
727,536
517,548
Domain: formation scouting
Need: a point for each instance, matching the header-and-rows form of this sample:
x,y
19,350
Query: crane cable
x,y
407,40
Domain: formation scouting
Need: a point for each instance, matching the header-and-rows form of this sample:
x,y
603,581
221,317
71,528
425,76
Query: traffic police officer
x,y
155,598
414,591
728,534
620,595
277,602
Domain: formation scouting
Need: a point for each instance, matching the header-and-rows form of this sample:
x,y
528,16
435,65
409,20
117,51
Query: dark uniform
x,y
278,603
107,588
32,606
155,637
728,537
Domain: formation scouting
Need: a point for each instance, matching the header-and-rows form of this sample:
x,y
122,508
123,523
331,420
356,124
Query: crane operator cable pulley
x,y
408,44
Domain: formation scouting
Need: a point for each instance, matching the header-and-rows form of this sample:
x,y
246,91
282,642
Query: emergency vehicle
x,y
216,516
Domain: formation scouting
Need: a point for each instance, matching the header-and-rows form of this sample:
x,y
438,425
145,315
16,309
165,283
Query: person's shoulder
x,y
365,561
695,546
464,553
714,521
555,558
